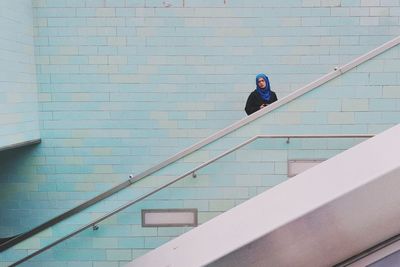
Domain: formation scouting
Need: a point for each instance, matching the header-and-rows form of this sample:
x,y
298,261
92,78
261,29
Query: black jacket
x,y
254,101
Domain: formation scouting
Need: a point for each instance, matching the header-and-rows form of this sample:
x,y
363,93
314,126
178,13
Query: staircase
x,y
336,104
352,206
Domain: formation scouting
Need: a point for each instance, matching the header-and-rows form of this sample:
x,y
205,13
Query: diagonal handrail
x,y
130,203
303,90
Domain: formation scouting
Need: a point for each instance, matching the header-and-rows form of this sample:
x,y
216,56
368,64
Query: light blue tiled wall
x,y
18,88
352,103
218,187
125,84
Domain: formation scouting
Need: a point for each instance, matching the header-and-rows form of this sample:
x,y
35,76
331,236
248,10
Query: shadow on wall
x,y
17,186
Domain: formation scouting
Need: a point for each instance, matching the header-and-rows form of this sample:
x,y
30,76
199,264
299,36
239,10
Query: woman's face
x,y
261,83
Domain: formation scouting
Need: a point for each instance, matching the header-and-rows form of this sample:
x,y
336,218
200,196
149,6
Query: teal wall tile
x,y
131,242
18,82
125,84
153,242
119,254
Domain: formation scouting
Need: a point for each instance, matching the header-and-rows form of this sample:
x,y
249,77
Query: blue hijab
x,y
266,92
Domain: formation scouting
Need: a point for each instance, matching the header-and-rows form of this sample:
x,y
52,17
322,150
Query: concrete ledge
x,y
22,144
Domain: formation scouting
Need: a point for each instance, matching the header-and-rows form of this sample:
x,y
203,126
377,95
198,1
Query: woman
x,y
261,97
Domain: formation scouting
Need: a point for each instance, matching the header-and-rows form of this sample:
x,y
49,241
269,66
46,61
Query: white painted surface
x,y
322,216
296,167
170,217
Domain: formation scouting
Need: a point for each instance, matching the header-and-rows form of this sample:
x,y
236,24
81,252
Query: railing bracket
x,y
95,227
131,178
194,175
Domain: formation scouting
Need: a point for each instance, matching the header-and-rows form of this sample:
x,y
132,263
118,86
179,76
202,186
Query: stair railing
x,y
94,224
337,71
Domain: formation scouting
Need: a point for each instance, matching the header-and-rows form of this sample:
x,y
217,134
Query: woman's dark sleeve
x,y
251,105
275,98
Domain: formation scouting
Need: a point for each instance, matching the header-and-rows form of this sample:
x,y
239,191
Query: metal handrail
x,y
303,90
94,223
